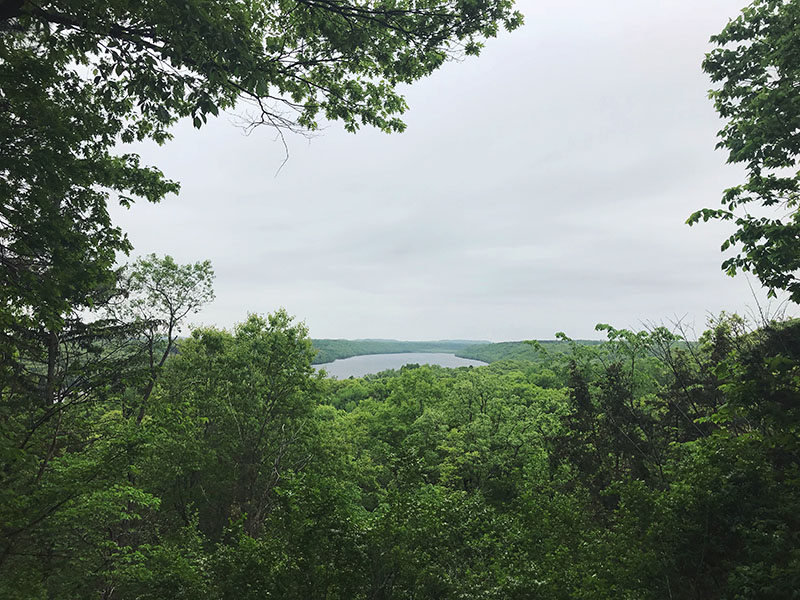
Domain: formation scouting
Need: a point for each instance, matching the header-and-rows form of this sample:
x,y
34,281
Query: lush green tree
x,y
230,414
156,295
690,485
69,440
757,67
448,463
62,437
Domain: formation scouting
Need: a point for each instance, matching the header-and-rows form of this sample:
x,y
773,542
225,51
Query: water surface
x,y
358,366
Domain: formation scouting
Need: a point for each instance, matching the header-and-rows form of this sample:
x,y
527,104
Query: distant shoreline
x,y
329,350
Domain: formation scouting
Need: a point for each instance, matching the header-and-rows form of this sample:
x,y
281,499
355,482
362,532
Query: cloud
x,y
540,187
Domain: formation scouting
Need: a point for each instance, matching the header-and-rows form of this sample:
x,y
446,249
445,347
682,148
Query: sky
x,y
540,187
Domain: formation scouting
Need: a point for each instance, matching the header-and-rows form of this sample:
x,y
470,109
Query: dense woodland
x,y
140,460
531,350
637,468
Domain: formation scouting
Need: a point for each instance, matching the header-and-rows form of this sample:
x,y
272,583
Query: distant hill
x,y
518,350
330,350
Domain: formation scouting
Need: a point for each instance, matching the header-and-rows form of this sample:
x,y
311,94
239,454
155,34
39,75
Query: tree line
x,y
641,467
329,350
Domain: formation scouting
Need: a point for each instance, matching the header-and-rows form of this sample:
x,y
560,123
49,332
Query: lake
x,y
358,366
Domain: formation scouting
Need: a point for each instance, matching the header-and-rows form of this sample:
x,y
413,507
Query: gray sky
x,y
540,187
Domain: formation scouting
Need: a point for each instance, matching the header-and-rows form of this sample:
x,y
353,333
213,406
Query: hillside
x,y
329,350
520,350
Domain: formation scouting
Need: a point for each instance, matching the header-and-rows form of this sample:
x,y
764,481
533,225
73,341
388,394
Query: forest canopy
x,y
137,461
756,69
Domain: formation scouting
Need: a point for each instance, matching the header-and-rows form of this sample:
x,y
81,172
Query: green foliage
x,y
58,171
698,496
757,67
228,415
644,467
535,350
69,441
155,297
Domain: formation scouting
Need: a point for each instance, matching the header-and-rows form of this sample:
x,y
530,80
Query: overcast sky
x,y
540,187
